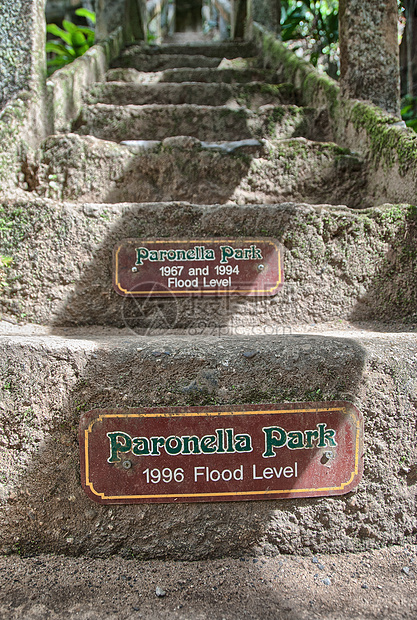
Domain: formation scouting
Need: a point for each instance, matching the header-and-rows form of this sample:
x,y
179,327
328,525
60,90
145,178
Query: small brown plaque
x,y
199,267
197,454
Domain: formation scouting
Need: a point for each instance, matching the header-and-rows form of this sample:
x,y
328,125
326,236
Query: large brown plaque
x,y
199,267
197,454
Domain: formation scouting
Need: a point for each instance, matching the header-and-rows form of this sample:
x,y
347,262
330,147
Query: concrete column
x,y
369,52
22,48
130,14
241,20
268,14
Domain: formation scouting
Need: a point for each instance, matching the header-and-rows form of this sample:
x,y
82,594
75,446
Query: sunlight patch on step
x,y
142,146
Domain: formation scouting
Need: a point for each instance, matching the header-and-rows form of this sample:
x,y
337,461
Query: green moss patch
x,y
388,144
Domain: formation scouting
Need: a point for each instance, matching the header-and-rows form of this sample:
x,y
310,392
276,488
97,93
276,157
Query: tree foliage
x,y
73,41
314,25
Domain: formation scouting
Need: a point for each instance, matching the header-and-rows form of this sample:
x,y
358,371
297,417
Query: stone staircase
x,y
201,141
212,135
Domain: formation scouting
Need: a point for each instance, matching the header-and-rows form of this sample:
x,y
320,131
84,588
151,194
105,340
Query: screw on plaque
x,y
261,267
327,456
127,464
134,269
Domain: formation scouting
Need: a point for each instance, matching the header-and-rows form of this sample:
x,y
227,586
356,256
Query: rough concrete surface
x,y
338,263
211,123
158,62
226,75
126,15
370,585
380,137
267,13
22,55
210,49
252,95
84,168
48,381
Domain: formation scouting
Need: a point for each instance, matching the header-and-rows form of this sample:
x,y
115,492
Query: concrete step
x,y
225,49
252,95
223,75
84,168
159,62
338,264
209,123
47,382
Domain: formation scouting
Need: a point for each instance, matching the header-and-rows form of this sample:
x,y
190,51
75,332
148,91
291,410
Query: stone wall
x,y
22,55
34,114
382,138
22,83
66,86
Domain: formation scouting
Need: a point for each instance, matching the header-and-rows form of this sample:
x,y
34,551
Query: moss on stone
x,y
298,71
279,90
388,144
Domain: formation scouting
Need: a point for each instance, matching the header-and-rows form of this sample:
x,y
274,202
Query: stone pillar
x,y
268,14
22,48
369,52
129,14
241,20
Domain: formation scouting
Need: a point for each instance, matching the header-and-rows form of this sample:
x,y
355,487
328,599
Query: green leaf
x,y
69,26
407,108
59,61
87,31
58,32
412,124
58,49
314,58
78,39
79,51
86,13
291,31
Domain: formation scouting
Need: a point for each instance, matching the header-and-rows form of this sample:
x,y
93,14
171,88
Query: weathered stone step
x,y
159,62
225,49
47,382
252,95
338,263
228,76
182,168
157,122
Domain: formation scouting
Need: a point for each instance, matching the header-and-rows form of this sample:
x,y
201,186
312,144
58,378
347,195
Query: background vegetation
x,y
73,41
312,26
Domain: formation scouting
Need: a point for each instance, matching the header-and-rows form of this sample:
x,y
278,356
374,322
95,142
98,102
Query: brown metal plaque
x,y
198,454
199,267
